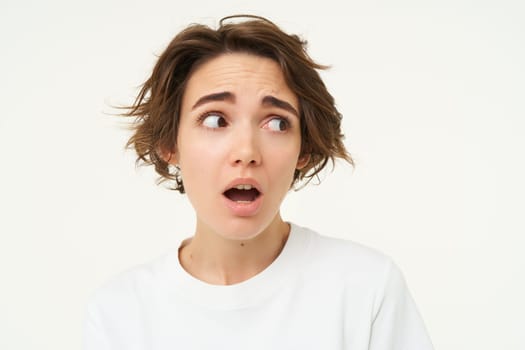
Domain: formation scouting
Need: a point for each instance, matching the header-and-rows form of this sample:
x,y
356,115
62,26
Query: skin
x,y
231,127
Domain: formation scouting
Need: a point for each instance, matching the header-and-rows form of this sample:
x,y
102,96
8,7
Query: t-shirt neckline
x,y
246,293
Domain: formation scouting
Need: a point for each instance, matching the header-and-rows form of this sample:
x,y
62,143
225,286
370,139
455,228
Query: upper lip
x,y
243,181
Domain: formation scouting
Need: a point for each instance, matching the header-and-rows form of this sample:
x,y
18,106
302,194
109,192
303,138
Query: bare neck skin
x,y
216,260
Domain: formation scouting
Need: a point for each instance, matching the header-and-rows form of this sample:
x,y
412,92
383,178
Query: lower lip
x,y
243,209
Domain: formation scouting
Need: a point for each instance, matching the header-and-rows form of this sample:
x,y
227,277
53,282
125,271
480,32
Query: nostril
x,y
239,161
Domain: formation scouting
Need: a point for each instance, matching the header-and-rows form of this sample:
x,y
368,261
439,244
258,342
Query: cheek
x,y
283,159
199,153
200,165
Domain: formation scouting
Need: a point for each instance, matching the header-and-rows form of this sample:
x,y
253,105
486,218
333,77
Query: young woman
x,y
236,117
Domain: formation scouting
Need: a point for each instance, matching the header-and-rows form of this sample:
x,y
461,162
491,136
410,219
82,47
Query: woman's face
x,y
238,144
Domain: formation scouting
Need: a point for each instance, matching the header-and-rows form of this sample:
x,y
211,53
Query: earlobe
x,y
303,161
169,157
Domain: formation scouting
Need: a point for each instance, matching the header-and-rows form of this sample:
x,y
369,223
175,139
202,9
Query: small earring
x,y
173,168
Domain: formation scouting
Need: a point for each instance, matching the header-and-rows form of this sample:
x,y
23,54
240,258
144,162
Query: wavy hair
x,y
157,106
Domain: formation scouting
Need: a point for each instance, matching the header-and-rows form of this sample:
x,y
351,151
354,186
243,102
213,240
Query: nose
x,y
245,149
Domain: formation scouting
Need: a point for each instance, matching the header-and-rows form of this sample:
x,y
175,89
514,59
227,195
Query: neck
x,y
215,259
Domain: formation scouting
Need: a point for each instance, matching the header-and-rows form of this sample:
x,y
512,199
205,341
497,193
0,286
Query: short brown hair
x,y
157,106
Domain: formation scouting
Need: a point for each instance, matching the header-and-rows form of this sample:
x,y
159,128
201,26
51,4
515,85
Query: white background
x,y
432,94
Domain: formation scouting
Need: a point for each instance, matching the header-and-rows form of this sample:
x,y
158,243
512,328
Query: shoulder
x,y
348,261
115,310
124,292
331,250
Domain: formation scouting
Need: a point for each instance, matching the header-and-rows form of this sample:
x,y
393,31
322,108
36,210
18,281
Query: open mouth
x,y
242,194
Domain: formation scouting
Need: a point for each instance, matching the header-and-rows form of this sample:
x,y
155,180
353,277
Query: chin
x,y
244,228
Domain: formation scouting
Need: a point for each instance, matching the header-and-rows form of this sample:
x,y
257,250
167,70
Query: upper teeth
x,y
243,187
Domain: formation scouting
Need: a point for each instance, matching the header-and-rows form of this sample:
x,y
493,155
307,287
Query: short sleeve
x,y
94,337
397,324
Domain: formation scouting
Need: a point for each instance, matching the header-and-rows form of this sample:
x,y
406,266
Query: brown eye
x,y
214,121
278,124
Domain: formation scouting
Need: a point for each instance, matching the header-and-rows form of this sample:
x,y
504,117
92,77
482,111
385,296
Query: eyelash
x,y
284,119
203,116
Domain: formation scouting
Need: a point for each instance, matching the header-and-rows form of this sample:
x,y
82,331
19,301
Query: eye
x,y
278,124
213,120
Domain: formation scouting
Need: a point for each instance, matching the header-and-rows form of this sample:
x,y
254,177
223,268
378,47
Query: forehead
x,y
241,74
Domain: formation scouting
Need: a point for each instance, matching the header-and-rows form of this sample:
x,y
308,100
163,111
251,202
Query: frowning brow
x,y
220,96
230,97
275,102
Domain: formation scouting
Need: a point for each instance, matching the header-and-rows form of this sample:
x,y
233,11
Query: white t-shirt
x,y
320,293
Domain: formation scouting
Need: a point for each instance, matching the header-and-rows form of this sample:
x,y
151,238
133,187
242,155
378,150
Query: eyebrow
x,y
228,96
220,96
274,101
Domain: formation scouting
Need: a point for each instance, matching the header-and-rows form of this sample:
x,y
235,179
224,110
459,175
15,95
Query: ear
x,y
302,161
170,157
